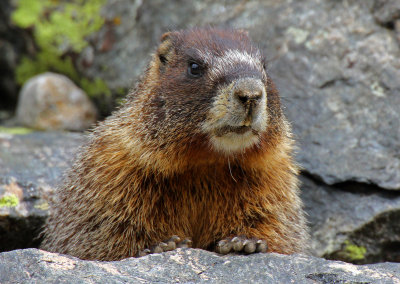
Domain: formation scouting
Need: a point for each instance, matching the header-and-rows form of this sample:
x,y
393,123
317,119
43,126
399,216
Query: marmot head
x,y
210,86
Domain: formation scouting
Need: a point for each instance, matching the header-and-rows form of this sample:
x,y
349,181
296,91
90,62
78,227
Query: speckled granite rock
x,y
387,12
51,101
30,167
189,266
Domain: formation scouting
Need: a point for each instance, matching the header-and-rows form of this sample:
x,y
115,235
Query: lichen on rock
x,y
15,130
10,200
353,252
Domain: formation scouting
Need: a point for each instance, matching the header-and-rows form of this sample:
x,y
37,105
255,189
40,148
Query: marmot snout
x,y
200,150
243,104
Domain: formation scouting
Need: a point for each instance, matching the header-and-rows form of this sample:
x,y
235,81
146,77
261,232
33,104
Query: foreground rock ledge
x,y
189,265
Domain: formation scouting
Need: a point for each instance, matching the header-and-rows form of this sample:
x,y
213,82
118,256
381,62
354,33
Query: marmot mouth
x,y
236,129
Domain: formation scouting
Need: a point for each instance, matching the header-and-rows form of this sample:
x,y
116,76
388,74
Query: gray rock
x,y
30,168
386,11
189,266
337,69
352,223
53,102
37,157
343,95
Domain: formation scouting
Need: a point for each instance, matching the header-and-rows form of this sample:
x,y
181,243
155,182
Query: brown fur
x,y
148,171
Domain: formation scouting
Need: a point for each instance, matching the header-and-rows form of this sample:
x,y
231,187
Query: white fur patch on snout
x,y
227,111
233,142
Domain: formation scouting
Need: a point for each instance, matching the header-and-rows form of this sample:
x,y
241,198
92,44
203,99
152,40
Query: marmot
x,y
200,150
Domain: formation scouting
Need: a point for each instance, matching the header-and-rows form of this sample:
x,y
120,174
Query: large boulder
x,y
189,266
337,68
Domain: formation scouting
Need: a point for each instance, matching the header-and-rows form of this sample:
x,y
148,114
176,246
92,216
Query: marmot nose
x,y
248,91
248,98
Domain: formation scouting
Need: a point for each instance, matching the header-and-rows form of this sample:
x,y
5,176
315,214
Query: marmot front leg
x,y
241,244
168,245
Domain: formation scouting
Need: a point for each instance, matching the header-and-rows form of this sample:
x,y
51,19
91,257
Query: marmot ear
x,y
165,36
165,48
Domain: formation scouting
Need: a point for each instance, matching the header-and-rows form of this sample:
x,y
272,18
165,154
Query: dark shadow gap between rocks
x,y
20,233
354,186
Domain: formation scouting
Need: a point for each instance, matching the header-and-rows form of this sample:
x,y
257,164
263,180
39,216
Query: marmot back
x,y
200,150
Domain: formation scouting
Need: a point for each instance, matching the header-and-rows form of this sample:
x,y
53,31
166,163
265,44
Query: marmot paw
x,y
241,244
170,244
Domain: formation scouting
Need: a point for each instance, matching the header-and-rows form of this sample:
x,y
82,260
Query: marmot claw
x,y
167,245
241,244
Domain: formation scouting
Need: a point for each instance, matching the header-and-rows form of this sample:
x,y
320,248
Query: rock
x,y
189,266
352,222
386,12
342,90
337,69
52,101
37,157
30,168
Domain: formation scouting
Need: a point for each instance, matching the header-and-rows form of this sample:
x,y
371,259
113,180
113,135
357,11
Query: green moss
x,y
9,201
15,130
353,252
121,91
45,61
93,88
28,12
60,28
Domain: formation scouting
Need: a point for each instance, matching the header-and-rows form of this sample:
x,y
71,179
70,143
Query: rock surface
x,y
337,69
343,93
30,167
189,266
352,222
53,102
387,12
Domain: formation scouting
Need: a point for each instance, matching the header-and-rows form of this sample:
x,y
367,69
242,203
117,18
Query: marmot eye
x,y
195,70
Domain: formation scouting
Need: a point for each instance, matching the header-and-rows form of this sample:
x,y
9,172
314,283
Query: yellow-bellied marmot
x,y
199,150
